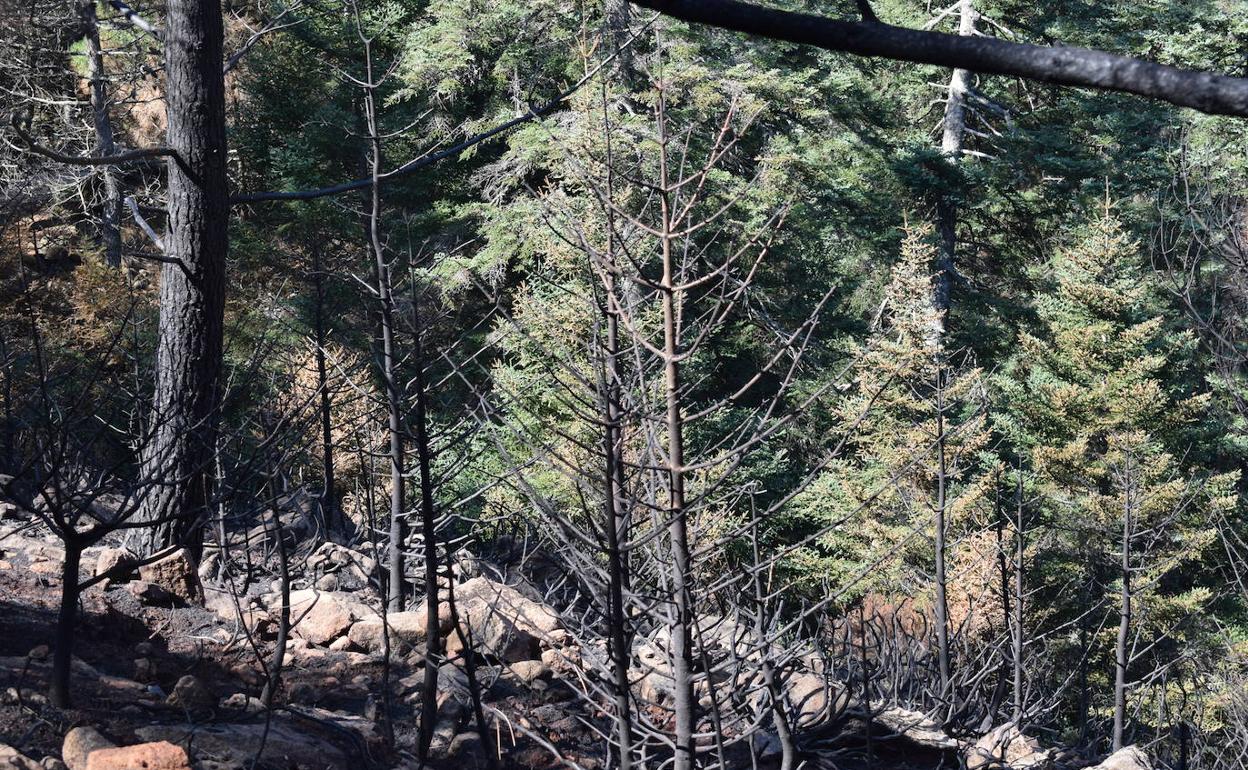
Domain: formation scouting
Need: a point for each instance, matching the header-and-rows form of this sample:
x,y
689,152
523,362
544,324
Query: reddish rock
x,y
144,756
176,574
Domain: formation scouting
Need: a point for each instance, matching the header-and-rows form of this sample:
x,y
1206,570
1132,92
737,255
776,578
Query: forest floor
x,y
145,672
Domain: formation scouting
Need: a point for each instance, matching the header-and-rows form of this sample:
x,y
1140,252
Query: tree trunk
x,y
62,653
954,129
331,515
110,217
389,375
680,619
1124,623
1016,636
942,601
178,453
429,534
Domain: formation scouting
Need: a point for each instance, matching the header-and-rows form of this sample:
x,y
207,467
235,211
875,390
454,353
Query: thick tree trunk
x,y
178,454
110,217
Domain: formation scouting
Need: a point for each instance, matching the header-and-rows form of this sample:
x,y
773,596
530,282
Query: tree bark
x,y
942,601
331,514
63,643
680,620
954,130
1061,65
1124,619
177,456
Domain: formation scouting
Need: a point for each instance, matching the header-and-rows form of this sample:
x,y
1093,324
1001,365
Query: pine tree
x,y
1096,400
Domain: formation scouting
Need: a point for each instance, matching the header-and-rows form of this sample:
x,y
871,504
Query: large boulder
x,y
406,627
78,745
1006,746
1126,758
503,623
177,575
160,755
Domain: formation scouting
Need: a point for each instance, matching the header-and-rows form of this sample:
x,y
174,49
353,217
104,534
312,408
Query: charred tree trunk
x,y
1016,636
389,375
178,454
63,644
429,535
330,512
1121,654
680,620
941,527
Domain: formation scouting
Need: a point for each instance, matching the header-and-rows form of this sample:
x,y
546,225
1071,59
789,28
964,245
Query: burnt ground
x,y
330,705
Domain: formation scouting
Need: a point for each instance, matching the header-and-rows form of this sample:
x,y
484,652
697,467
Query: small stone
x,y
151,594
144,670
52,763
144,756
39,653
79,743
468,751
529,671
45,568
192,695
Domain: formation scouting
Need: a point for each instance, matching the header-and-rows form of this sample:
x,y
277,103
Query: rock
x,y
813,698
151,594
530,671
1126,758
322,617
1006,746
39,652
144,670
45,568
467,751
341,644
19,762
503,623
916,727
161,755
302,692
242,702
193,696
236,744
326,583
116,559
52,763
176,574
350,570
406,627
12,759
